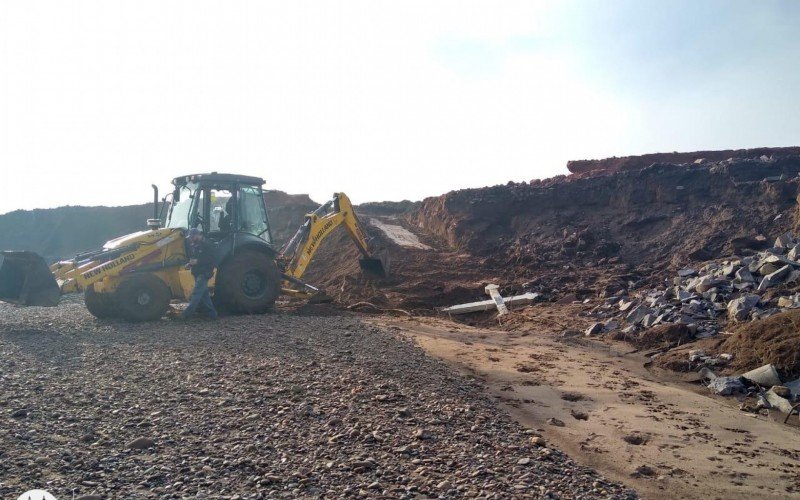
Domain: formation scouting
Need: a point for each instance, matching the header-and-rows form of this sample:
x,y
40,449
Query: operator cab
x,y
220,205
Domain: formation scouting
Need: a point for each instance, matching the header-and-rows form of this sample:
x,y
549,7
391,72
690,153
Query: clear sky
x,y
382,100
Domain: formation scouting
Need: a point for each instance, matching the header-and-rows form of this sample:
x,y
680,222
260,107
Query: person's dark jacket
x,y
204,252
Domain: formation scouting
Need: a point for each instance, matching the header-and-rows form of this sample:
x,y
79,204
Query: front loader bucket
x,y
378,265
25,279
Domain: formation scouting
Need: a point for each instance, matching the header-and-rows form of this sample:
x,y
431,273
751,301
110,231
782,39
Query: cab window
x,y
222,210
181,207
252,214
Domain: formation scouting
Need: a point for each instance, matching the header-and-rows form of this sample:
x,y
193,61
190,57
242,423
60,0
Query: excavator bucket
x,y
377,265
25,279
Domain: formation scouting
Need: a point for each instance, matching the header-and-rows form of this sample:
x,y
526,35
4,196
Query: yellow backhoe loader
x,y
136,276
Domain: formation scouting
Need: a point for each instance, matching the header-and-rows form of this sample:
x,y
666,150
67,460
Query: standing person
x,y
201,262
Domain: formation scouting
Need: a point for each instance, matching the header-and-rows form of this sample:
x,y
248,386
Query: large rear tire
x,y
101,305
143,297
248,283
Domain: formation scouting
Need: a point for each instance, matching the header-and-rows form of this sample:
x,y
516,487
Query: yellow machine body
x,y
161,251
136,276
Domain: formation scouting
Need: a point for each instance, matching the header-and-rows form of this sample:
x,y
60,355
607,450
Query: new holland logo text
x,y
109,266
315,239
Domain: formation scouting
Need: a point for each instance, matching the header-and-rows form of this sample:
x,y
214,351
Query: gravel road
x,y
282,405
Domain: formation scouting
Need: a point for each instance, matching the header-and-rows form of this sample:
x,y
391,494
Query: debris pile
x,y
724,292
762,386
774,340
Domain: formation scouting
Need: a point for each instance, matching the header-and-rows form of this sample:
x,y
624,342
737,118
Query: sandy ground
x,y
665,437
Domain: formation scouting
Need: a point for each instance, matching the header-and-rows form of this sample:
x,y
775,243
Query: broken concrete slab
x,y
786,240
726,386
768,268
682,295
594,329
493,291
649,320
778,402
625,306
744,275
778,260
739,309
775,278
399,234
706,283
794,253
765,376
790,302
638,313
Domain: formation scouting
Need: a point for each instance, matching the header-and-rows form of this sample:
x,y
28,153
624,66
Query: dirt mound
x,y
621,214
275,198
774,340
584,237
387,207
419,280
660,336
678,359
616,164
286,212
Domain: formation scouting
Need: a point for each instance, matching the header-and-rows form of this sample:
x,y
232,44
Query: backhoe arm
x,y
301,248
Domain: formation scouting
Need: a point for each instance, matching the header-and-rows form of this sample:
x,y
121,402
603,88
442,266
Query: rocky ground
x,y
284,405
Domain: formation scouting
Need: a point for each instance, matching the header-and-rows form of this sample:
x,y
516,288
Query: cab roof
x,y
221,178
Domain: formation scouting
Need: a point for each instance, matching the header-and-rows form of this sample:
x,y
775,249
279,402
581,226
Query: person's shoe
x,y
173,312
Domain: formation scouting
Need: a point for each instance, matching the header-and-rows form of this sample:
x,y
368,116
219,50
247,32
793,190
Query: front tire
x,y
101,305
143,297
248,283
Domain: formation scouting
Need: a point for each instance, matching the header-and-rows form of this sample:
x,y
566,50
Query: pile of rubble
x,y
734,290
763,385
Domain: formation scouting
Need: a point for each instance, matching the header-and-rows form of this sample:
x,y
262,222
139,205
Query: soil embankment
x,y
570,237
639,162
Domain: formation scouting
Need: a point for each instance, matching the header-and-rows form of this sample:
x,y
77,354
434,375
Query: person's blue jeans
x,y
200,295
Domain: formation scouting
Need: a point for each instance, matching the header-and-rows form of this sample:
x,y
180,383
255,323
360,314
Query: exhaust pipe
x,y
25,279
155,222
155,201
